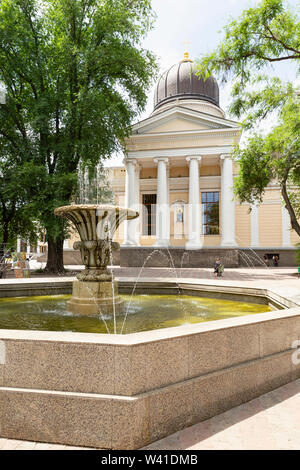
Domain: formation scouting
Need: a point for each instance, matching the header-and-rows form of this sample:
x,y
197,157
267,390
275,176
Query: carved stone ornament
x,y
96,225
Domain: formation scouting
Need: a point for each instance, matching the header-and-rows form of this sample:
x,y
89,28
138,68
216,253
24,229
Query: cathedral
x,y
179,174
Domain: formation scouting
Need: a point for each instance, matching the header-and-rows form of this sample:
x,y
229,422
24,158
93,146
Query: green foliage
x,y
76,76
262,35
273,157
13,203
266,96
255,170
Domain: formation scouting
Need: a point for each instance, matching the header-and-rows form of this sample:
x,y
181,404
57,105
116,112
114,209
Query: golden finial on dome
x,y
186,54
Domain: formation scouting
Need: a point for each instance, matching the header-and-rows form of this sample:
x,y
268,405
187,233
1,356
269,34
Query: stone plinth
x,y
181,258
94,298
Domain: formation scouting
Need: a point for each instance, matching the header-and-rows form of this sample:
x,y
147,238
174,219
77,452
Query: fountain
x,y
64,378
95,290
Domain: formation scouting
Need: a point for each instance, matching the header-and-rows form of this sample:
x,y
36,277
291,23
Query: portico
x,y
179,177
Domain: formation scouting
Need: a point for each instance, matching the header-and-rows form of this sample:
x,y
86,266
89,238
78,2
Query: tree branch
x,y
289,48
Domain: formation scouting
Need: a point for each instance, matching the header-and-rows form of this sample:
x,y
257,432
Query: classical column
x,y
168,202
286,227
254,226
227,202
162,206
194,220
137,205
131,237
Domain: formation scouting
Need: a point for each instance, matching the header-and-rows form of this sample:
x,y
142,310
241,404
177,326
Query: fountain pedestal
x,y
95,292
95,298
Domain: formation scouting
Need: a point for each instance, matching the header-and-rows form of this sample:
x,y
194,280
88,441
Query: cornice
x,y
180,152
185,134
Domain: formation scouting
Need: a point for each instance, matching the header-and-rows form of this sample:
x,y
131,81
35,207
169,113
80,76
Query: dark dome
x,y
180,82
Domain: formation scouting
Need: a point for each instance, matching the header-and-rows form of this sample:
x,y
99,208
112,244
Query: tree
x,y
13,210
262,36
273,157
14,215
75,75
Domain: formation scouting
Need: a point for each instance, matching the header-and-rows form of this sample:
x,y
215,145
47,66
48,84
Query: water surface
x,y
145,312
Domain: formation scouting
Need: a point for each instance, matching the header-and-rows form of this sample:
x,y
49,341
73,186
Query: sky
x,y
200,22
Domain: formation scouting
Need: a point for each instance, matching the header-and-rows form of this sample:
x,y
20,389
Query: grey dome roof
x,y
180,82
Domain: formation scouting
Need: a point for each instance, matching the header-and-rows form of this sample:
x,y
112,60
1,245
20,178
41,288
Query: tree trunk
x,y
3,245
294,222
55,262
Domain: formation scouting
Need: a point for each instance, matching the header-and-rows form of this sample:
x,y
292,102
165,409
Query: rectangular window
x,y
149,214
210,213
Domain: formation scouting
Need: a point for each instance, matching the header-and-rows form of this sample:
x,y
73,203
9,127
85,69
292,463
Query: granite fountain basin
x,y
125,391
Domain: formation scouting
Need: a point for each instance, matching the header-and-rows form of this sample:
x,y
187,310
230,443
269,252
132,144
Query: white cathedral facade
x,y
179,175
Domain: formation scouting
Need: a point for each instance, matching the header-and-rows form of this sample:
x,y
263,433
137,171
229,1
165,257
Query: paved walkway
x,y
11,444
271,421
237,274
283,281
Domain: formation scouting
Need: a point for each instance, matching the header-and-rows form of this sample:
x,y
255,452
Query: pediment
x,y
181,120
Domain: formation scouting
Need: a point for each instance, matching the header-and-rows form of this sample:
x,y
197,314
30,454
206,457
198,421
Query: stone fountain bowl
x,y
95,290
91,220
96,225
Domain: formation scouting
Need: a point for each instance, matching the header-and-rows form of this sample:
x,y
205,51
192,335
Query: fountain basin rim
x,y
30,287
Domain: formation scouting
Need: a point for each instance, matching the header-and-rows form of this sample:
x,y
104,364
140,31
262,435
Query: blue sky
x,y
200,22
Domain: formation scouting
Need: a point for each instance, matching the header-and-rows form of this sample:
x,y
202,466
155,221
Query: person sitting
x,y
218,267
